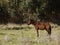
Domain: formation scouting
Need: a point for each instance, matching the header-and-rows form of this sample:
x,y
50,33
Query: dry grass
x,y
26,35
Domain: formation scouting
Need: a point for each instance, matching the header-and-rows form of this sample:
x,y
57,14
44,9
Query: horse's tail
x,y
37,33
49,32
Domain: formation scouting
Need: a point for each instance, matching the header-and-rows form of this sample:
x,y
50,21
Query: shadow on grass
x,y
18,28
2,33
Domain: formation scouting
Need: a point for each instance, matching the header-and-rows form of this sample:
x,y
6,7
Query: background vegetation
x,y
18,11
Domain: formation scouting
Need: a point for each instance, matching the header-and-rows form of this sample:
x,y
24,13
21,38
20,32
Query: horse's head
x,y
29,22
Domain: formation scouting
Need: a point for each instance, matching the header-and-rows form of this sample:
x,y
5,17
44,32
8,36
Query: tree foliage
x,y
18,11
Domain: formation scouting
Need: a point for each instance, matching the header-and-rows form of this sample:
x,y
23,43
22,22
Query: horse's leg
x,y
49,33
37,33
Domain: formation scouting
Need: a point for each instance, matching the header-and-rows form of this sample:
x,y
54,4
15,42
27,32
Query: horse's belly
x,y
41,28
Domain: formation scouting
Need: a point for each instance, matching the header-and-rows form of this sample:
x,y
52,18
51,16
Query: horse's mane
x,y
33,21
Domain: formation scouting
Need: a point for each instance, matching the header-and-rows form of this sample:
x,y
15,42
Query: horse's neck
x,y
34,23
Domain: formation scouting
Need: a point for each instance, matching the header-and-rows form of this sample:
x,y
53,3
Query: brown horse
x,y
40,25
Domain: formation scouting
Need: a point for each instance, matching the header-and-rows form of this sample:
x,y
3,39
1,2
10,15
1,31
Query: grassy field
x,y
13,34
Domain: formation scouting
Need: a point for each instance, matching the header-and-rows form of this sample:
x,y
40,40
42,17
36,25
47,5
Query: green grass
x,y
27,36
